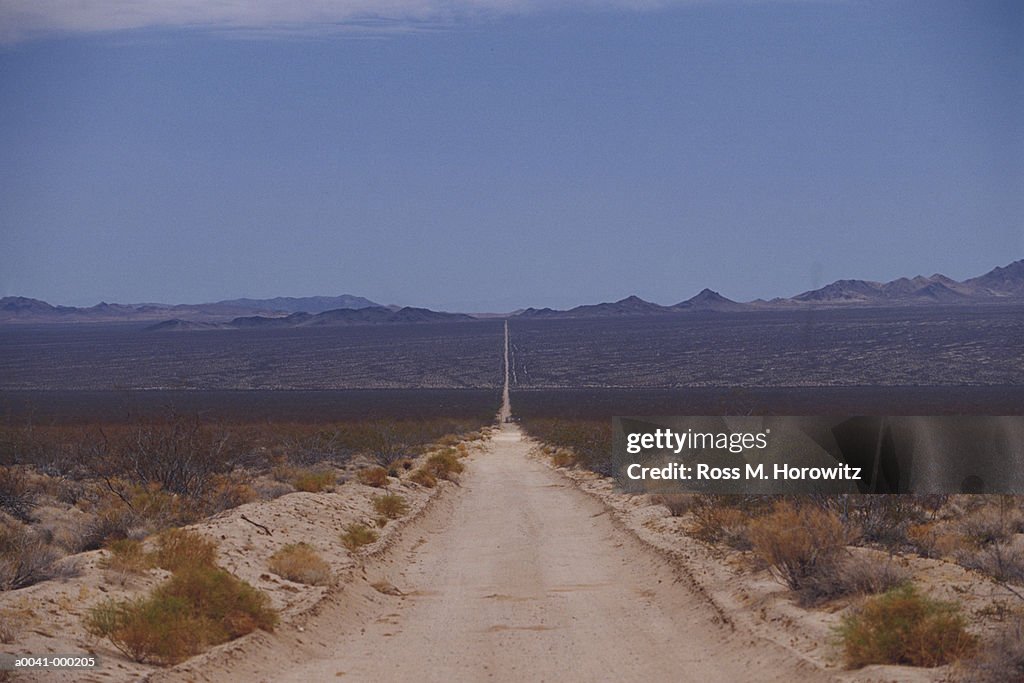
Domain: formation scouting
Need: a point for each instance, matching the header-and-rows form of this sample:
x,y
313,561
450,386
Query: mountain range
x,y
24,309
1000,285
706,300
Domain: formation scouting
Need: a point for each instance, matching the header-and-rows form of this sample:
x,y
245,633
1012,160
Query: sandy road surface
x,y
525,579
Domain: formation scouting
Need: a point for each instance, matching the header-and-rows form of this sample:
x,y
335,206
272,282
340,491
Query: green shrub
x,y
423,478
391,506
904,627
376,477
228,491
147,629
716,523
199,606
313,481
444,465
229,606
179,549
357,535
803,546
126,555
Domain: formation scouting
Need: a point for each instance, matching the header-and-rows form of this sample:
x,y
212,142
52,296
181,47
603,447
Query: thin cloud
x,y
27,19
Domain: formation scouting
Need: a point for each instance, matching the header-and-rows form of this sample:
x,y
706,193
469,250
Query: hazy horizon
x,y
458,158
415,304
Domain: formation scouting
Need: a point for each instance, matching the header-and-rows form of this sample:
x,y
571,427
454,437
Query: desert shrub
x,y
713,524
933,539
724,518
228,606
98,530
884,518
678,504
282,472
386,441
300,562
110,518
803,546
70,491
373,476
870,576
121,506
161,509
269,489
306,448
589,440
999,660
931,503
389,445
228,491
989,524
904,627
146,629
357,535
25,557
180,455
198,606
563,457
391,506
423,478
444,465
49,449
178,549
1002,561
16,495
313,481
127,556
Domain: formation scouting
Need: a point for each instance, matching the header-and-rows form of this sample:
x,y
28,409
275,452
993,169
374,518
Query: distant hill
x,y
630,306
303,304
633,306
1007,281
25,310
1001,283
13,306
710,300
375,315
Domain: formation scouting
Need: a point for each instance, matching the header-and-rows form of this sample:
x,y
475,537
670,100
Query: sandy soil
x,y
47,617
516,576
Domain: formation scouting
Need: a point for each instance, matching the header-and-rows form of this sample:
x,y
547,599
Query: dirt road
x,y
523,578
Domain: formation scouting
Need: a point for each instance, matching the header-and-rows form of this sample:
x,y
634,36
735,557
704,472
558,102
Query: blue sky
x,y
444,155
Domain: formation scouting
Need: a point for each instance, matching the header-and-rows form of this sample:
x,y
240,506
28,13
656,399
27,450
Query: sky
x,y
490,155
